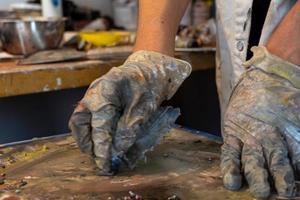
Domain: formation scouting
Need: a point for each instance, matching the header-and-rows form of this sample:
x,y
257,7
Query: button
x,y
240,45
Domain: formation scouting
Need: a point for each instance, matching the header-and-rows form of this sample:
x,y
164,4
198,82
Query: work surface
x,y
184,165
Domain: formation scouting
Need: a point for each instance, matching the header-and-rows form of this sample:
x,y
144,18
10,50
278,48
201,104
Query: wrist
x,y
158,23
284,42
157,40
272,64
289,54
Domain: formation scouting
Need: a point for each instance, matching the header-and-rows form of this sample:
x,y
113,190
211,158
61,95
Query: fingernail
x,y
260,191
232,182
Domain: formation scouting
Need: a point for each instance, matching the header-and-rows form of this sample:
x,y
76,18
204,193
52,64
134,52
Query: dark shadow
x,y
37,115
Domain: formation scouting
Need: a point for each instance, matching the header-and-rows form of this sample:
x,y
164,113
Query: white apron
x,y
233,30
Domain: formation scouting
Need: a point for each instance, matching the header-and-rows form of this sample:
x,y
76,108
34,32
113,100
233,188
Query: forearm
x,y
285,42
158,23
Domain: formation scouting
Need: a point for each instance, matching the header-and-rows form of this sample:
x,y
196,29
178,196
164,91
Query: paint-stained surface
x,y
184,165
18,79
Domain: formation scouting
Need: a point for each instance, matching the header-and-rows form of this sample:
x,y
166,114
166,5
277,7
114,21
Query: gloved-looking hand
x,y
262,127
118,105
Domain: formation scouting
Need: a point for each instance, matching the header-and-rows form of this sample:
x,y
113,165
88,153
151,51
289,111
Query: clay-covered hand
x,y
116,109
262,127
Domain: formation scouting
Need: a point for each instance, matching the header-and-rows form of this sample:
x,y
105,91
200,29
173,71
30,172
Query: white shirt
x,y
233,30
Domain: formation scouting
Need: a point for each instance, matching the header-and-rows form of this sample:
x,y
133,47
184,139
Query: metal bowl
x,y
26,36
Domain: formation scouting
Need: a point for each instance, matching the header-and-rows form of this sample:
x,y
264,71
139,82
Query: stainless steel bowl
x,y
26,36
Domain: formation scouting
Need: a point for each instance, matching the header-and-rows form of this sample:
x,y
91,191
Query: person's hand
x,y
116,108
261,127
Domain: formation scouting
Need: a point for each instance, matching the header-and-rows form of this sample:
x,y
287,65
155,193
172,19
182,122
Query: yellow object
x,y
105,38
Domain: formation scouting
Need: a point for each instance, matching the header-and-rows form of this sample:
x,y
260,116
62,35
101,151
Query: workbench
x,y
183,166
27,79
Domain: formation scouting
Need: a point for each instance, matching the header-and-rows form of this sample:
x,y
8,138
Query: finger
x,y
102,100
80,125
158,125
276,153
254,168
294,151
103,127
230,162
136,113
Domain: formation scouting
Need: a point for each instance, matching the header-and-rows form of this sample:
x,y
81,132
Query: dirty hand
x,y
262,127
116,106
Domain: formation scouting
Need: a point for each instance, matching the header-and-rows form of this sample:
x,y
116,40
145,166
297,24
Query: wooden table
x,y
26,79
183,164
